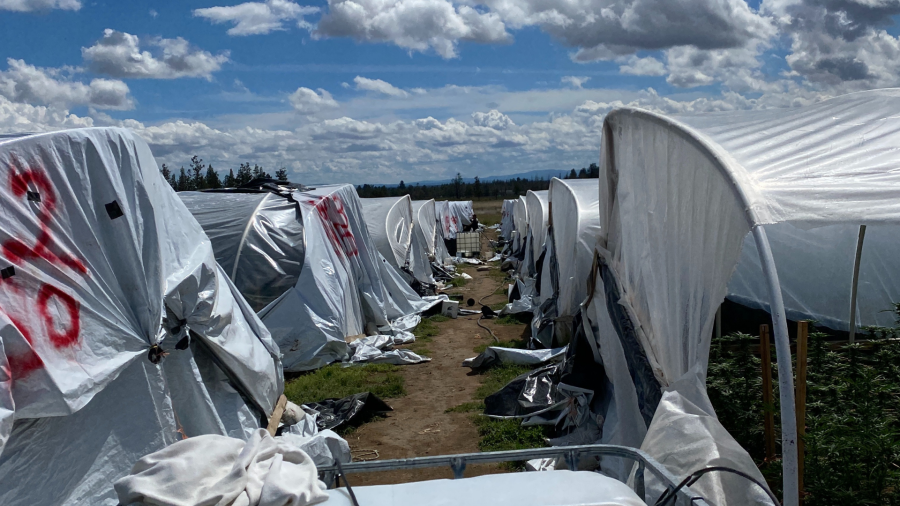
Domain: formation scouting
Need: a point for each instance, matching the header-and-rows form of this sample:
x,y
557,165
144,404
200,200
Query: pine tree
x,y
281,175
244,175
582,174
168,176
212,178
184,182
197,179
230,181
572,175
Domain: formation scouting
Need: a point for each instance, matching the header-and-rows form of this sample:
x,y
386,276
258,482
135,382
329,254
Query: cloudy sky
x,y
382,90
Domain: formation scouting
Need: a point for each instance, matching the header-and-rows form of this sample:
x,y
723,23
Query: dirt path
x,y
419,425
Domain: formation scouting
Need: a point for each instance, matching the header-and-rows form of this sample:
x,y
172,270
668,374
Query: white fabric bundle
x,y
222,471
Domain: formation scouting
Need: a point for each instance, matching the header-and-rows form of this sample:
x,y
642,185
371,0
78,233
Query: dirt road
x,y
420,424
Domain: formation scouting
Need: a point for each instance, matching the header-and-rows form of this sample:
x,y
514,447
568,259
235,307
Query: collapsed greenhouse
x,y
132,319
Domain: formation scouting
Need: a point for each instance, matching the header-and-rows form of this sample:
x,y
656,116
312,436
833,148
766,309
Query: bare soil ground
x,y
420,424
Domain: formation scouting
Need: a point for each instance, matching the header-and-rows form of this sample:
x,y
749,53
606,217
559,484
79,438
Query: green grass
x,y
515,343
457,282
509,319
498,306
427,329
335,381
496,378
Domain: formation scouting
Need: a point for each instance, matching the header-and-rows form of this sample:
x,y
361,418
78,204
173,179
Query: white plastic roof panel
x,y
390,223
520,221
257,239
576,226
425,221
538,203
507,223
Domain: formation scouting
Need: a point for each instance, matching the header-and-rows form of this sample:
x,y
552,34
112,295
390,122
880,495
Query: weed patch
x,y
852,425
335,381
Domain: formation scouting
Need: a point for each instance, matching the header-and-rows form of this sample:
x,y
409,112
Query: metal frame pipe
x,y
855,283
789,460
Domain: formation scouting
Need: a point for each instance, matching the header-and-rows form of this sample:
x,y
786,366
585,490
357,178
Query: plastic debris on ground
x,y
465,276
299,428
332,413
497,355
212,469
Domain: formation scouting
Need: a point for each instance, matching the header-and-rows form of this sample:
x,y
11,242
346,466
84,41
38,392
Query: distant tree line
x,y
202,177
459,189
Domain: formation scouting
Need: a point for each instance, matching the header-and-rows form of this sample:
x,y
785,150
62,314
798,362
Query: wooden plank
x,y
769,421
275,419
802,338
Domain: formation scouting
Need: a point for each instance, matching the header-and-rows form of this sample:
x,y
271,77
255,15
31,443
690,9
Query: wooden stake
x,y
275,419
769,424
802,337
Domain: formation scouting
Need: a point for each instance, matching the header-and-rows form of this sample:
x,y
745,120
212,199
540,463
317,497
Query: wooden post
x,y
802,337
275,419
769,424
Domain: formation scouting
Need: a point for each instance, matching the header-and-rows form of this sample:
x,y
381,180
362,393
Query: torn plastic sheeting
x,y
369,354
494,354
323,447
406,323
528,394
333,413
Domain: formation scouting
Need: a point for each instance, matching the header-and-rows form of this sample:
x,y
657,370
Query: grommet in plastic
x,y
33,196
156,354
113,210
8,272
183,343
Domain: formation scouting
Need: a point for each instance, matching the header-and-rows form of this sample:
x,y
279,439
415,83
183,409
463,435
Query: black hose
x,y
347,483
669,495
496,340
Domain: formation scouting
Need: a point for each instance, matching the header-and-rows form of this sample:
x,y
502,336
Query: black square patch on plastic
x,y
113,210
33,196
8,272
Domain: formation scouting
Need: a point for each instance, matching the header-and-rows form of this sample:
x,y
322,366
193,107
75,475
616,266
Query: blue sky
x,y
419,89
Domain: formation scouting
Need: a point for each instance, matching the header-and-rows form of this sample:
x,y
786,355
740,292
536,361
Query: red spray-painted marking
x,y
17,251
337,224
69,336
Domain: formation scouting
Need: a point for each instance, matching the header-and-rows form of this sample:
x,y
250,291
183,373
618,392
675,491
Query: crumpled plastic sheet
x,y
323,447
494,355
333,413
473,261
496,258
408,322
518,306
372,355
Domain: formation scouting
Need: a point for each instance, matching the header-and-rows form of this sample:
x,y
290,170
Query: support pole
x,y
855,284
802,338
765,353
719,322
785,374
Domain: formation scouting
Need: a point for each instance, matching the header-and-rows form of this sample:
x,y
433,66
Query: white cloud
x,y
256,18
39,5
153,13
493,119
647,66
118,54
28,84
307,101
575,81
378,86
417,25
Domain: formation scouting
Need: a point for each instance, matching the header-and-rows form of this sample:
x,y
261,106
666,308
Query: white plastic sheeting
x,y
682,194
101,261
520,223
538,209
257,239
282,252
454,216
576,226
345,283
391,225
507,224
426,226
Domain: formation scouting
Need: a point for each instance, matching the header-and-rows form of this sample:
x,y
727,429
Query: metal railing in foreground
x,y
570,455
